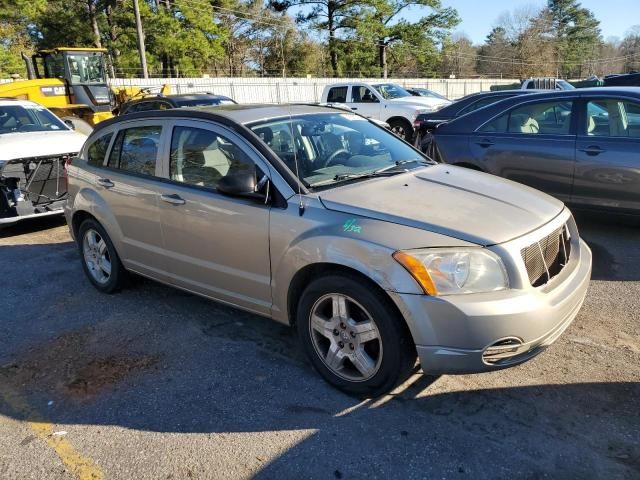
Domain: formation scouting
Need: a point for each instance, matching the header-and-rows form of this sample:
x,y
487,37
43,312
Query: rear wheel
x,y
100,261
353,338
401,128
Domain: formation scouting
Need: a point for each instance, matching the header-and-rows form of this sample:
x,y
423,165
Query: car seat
x,y
194,171
523,123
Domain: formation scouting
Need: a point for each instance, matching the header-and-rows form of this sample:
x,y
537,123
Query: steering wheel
x,y
334,155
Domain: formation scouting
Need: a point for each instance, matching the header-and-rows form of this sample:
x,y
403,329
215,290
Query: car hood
x,y
461,203
420,101
39,144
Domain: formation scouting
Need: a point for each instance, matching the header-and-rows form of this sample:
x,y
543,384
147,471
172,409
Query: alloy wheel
x,y
96,256
345,337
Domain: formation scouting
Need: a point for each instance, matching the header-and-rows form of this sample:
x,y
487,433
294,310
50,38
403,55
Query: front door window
x,y
201,157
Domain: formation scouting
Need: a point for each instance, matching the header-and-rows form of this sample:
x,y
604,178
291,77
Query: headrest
x,y
264,133
193,157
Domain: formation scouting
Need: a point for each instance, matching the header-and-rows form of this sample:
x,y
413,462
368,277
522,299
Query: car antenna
x,y
295,150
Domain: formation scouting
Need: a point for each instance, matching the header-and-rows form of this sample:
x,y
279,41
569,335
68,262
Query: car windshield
x,y
204,102
28,118
325,149
390,91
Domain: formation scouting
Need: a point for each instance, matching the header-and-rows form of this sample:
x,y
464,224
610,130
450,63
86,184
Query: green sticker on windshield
x,y
351,225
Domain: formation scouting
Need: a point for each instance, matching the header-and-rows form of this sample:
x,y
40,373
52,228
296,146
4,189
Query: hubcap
x,y
399,130
96,256
345,337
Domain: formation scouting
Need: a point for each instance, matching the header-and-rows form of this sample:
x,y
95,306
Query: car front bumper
x,y
485,332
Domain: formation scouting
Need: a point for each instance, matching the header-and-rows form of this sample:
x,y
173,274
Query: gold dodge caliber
x,y
321,219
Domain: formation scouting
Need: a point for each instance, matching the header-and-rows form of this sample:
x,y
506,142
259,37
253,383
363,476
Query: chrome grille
x,y
547,257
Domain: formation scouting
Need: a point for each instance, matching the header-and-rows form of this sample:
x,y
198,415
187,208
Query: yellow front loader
x,y
72,83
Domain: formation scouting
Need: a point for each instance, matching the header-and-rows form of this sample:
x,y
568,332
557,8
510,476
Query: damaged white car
x,y
34,146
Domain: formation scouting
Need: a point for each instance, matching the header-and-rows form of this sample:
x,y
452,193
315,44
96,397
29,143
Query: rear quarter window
x,y
98,149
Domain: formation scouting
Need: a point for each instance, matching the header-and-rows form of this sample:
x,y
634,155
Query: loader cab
x,y
82,70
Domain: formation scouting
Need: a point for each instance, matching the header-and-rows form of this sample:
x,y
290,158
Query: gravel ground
x,y
154,383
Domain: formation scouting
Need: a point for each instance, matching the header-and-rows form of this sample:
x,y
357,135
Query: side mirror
x,y
241,184
69,124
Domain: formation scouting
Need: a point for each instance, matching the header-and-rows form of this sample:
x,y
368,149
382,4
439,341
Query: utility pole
x,y
141,49
382,46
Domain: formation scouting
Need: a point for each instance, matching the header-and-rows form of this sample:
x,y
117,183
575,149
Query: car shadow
x,y
32,225
614,244
224,383
155,359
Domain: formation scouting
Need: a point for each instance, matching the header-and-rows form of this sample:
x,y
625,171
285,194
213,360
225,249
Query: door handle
x,y
105,182
485,143
173,199
354,108
592,150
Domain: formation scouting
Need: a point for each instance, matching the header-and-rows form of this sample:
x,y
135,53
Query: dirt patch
x,y
74,366
104,372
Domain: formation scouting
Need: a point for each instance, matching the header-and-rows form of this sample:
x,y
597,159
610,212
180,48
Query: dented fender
x,y
359,243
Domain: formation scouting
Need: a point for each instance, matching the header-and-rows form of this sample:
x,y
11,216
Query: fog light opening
x,y
502,350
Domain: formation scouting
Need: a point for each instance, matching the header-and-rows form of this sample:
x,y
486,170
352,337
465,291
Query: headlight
x,y
441,271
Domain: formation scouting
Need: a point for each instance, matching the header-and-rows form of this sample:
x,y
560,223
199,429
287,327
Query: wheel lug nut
x,y
343,326
353,335
351,346
335,331
341,345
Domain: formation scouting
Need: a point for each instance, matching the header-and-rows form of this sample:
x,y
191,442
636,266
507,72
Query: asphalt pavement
x,y
155,383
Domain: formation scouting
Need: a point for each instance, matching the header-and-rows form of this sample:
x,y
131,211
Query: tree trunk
x,y
113,33
333,54
91,8
164,61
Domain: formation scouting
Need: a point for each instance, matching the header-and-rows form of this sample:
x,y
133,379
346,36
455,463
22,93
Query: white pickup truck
x,y
383,101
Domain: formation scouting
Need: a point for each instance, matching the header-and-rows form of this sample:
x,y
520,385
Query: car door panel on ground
x,y
128,185
608,154
216,245
533,143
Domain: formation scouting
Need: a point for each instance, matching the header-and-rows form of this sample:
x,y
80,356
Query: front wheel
x,y
353,338
401,128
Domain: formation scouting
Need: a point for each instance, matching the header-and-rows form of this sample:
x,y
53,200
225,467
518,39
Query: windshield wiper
x,y
388,171
375,173
393,168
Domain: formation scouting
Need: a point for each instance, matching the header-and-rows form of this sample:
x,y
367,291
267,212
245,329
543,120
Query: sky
x,y
479,16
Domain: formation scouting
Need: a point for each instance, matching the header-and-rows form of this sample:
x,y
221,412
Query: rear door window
x,y
135,150
337,95
98,150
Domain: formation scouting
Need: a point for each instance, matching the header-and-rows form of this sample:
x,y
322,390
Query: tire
x,y
401,128
372,351
100,261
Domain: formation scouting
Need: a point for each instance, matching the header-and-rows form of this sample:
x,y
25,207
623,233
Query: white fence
x,y
283,90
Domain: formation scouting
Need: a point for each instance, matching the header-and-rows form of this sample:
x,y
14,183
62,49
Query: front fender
x,y
323,236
